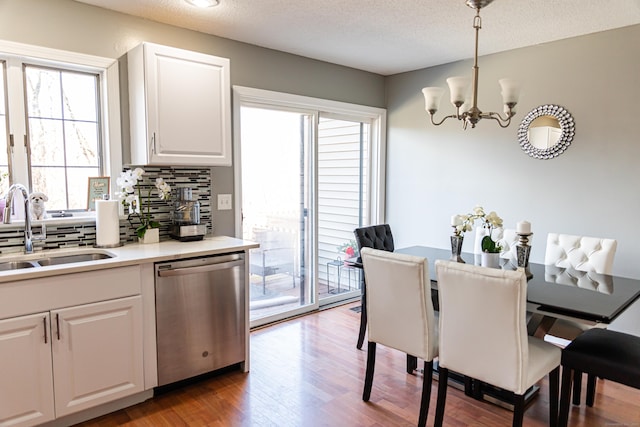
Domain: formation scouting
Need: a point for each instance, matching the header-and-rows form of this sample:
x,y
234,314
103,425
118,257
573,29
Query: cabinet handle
x,y
44,321
200,269
153,143
58,325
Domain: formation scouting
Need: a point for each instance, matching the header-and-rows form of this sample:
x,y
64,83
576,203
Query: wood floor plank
x,y
308,372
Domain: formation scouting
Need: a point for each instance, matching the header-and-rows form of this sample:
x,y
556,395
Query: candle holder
x,y
456,247
523,250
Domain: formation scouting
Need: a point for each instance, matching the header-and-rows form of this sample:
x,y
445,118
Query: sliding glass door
x,y
343,182
275,149
308,172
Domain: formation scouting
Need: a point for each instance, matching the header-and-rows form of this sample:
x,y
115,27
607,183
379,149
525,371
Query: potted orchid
x,y
464,223
490,222
490,256
131,198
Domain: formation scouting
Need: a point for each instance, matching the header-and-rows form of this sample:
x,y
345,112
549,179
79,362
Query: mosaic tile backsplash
x,y
82,235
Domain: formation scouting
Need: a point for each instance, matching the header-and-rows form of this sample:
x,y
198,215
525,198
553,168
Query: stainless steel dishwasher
x,y
200,315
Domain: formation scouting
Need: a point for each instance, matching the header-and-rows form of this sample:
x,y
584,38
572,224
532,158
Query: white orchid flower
x,y
478,211
130,198
164,189
137,173
493,219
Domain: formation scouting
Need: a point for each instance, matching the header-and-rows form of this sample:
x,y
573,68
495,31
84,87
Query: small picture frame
x,y
98,186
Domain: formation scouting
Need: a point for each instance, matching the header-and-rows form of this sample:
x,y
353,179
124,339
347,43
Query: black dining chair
x,y
375,237
603,353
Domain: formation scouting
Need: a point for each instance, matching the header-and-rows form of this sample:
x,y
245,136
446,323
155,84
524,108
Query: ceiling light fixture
x,y
459,86
203,3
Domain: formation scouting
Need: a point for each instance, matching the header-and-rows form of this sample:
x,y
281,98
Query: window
x,y
63,134
60,122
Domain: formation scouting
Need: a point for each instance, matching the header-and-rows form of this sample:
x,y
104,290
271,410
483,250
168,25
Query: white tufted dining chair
x,y
400,316
587,254
496,350
580,253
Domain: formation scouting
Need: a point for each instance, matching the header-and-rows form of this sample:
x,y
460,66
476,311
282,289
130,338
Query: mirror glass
x,y
546,131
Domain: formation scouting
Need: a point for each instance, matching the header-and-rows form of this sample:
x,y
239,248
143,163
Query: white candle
x,y
523,227
455,220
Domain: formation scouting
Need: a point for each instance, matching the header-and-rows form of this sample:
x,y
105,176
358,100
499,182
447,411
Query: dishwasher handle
x,y
200,269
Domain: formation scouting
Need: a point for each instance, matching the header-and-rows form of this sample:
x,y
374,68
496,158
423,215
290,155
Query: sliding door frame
x,y
251,97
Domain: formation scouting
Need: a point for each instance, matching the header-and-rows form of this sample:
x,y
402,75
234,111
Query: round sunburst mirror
x,y
546,131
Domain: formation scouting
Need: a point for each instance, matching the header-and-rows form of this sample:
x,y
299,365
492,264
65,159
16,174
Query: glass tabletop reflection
x,y
583,295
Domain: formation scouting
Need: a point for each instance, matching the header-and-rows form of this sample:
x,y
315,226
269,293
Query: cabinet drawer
x,y
34,295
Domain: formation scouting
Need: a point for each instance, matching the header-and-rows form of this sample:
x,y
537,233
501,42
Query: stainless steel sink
x,y
16,265
68,259
29,261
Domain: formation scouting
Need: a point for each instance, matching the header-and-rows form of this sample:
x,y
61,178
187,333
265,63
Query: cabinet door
x,y
97,353
188,107
26,385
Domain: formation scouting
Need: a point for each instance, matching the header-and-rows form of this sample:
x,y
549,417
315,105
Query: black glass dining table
x,y
555,292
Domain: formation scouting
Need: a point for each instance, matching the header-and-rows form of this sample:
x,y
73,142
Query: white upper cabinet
x,y
180,107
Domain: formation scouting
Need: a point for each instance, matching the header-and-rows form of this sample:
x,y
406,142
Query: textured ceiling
x,y
387,37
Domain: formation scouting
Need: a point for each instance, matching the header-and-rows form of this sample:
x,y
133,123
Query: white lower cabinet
x,y
77,357
26,393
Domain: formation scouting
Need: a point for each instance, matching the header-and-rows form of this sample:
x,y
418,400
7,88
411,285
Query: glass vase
x,y
456,248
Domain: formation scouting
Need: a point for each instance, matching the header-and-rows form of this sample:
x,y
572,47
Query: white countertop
x,y
130,254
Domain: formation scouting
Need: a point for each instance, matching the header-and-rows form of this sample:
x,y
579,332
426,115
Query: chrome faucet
x,y
28,234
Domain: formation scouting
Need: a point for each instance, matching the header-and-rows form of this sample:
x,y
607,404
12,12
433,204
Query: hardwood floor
x,y
308,372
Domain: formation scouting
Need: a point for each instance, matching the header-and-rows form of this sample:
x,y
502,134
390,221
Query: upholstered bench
x,y
600,353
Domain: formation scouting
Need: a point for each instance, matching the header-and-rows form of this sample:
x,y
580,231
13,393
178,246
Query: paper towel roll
x,y
107,223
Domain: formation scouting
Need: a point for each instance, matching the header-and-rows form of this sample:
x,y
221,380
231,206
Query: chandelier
x,y
459,86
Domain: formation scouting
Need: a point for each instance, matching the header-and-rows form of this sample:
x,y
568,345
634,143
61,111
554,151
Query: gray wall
x,y
591,189
77,27
432,172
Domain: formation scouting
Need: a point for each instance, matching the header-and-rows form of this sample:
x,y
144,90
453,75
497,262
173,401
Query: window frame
x,y
15,54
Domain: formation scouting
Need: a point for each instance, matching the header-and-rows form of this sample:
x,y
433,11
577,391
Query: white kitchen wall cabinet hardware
x,y
180,107
63,360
